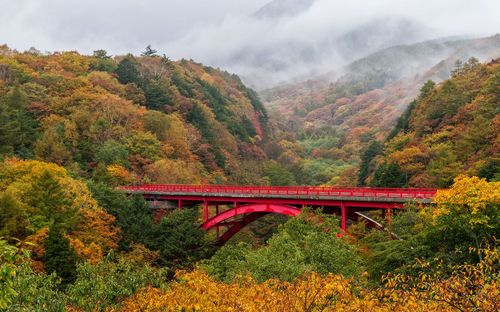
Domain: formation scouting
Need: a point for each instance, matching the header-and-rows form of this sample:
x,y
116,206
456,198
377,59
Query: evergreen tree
x,y
59,256
491,170
370,152
184,87
257,104
103,62
180,240
13,219
50,203
389,175
127,70
102,54
156,93
133,214
200,121
149,51
17,127
403,123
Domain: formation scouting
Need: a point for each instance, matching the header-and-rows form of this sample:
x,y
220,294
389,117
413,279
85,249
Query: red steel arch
x,y
239,225
251,213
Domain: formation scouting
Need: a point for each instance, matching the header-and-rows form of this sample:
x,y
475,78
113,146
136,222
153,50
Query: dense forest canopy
x,y
136,117
450,129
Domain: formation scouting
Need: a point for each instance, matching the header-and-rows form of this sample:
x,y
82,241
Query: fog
x,y
289,39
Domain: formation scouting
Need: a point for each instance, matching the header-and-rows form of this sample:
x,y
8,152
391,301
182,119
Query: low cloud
x,y
317,37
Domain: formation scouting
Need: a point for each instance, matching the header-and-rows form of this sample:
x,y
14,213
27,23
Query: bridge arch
x,y
251,213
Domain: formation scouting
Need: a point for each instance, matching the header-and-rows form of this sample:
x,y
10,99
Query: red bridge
x,y
233,207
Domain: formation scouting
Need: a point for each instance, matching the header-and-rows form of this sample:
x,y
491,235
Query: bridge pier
x,y
205,210
343,216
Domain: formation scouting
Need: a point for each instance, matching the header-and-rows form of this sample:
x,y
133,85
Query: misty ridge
x,y
281,42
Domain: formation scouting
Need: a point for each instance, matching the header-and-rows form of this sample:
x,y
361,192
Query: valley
x,y
284,155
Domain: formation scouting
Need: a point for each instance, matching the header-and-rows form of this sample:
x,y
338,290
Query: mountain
x,y
289,41
378,34
285,59
282,8
137,119
335,121
403,64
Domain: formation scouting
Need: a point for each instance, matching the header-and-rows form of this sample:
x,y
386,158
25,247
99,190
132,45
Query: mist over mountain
x,y
298,58
288,41
283,8
281,58
405,65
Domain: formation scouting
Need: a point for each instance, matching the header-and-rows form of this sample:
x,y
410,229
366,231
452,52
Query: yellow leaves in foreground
x,y
469,287
196,291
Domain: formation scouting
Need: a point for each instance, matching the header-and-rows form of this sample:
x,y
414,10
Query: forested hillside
x,y
327,124
141,118
451,128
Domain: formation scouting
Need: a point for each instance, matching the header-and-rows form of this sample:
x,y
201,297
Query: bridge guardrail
x,y
420,193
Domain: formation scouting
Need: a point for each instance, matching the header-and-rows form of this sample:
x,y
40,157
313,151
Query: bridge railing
x,y
285,190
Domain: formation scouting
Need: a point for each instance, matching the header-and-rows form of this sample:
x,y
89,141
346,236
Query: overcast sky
x,y
121,26
118,26
222,32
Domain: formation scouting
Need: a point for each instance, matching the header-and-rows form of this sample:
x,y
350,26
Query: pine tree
x,y
389,175
101,54
102,62
17,127
13,220
59,256
149,51
50,203
370,152
127,71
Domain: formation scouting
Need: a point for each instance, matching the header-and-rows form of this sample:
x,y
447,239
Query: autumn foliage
x,y
90,229
450,129
469,288
131,114
74,127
